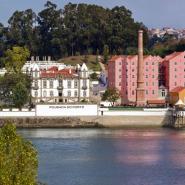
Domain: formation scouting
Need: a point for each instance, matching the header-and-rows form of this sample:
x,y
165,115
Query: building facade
x,y
173,70
67,85
122,75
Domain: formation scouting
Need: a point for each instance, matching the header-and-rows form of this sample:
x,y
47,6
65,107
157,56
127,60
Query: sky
x,y
153,13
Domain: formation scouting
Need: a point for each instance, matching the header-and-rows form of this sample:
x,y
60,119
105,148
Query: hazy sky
x,y
153,13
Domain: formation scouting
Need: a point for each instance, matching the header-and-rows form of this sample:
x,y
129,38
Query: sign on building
x,y
66,110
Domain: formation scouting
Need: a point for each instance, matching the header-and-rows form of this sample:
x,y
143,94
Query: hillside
x,y
90,61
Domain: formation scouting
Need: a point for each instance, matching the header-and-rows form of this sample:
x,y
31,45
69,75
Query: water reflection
x,y
110,157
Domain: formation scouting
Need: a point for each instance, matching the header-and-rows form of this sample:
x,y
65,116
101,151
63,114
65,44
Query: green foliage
x,y
111,95
106,54
94,76
20,95
18,158
9,88
77,28
16,58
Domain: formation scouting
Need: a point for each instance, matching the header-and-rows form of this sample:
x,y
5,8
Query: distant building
x,y
122,74
55,85
173,69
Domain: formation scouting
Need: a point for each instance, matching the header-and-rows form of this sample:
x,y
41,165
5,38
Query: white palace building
x,y
55,82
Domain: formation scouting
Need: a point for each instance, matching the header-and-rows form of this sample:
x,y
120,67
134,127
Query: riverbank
x,y
88,121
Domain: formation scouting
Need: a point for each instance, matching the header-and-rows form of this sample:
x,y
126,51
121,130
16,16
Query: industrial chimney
x,y
140,91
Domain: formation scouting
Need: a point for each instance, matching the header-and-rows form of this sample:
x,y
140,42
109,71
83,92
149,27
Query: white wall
x,y
66,110
133,113
17,113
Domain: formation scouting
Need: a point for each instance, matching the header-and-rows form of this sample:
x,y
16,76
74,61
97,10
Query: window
x,y
36,74
175,63
69,93
152,63
84,94
126,76
44,84
153,92
120,63
119,83
36,94
163,93
133,83
132,70
133,92
146,91
153,83
146,76
119,76
132,63
153,70
119,70
175,83
36,83
146,69
51,93
69,84
175,76
51,84
133,76
76,94
146,63
153,76
44,93
76,84
60,83
175,69
146,83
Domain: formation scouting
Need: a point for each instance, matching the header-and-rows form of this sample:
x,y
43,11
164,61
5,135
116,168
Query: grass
x,y
74,60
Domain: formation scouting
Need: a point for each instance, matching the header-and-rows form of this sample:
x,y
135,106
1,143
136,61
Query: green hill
x,y
90,61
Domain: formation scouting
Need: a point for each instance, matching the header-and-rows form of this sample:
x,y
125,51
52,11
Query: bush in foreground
x,y
18,158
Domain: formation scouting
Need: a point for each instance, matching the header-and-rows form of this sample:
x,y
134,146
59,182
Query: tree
x,y
94,76
18,158
106,54
20,95
8,84
16,58
111,95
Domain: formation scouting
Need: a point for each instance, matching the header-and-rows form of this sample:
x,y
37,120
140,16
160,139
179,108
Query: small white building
x,y
55,85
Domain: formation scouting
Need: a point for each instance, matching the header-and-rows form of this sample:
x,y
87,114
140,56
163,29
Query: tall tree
x,y
50,29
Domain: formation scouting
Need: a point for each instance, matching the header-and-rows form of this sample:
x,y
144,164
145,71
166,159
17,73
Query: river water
x,y
109,157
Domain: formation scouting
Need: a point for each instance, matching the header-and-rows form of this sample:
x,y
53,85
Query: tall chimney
x,y
140,91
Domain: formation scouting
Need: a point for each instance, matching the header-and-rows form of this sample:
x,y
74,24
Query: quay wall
x,y
83,116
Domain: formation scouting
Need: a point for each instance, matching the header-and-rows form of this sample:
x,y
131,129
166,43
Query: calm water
x,y
110,157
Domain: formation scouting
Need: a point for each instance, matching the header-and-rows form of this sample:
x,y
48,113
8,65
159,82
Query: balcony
x,y
60,87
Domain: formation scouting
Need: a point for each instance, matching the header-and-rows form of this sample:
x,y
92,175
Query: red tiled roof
x,y
177,89
173,55
53,74
54,68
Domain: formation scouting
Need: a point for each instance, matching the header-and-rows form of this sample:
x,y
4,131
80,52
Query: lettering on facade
x,y
67,107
